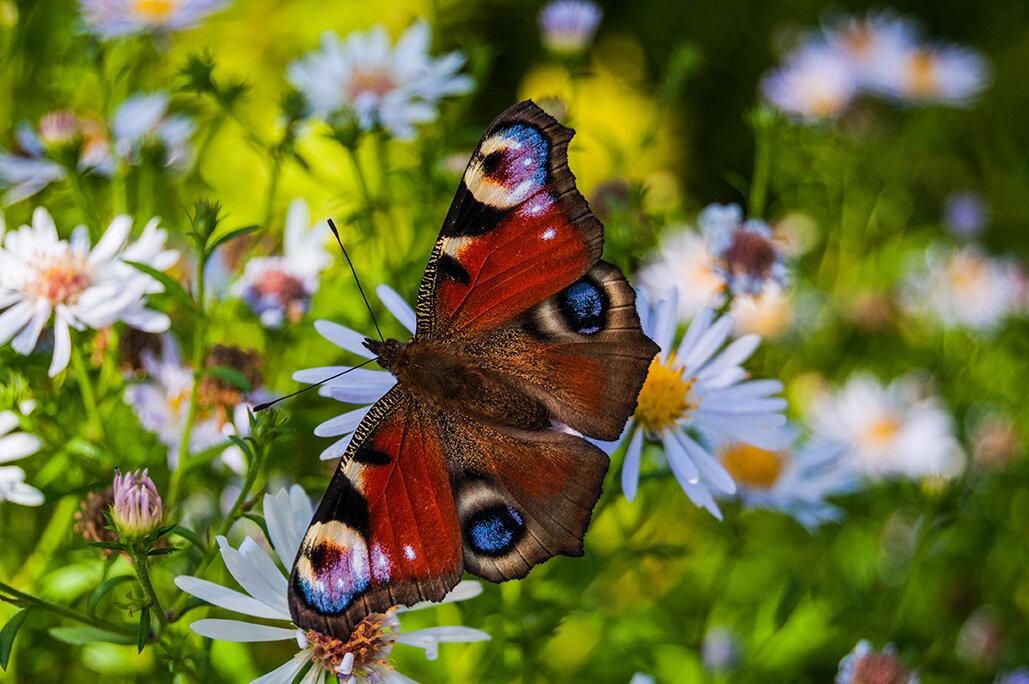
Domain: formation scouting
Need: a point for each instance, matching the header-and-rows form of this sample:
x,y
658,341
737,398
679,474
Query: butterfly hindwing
x,y
386,532
518,230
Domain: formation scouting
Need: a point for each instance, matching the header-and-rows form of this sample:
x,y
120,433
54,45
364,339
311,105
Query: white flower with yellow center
x,y
769,314
42,275
683,262
119,18
695,396
792,477
873,44
935,74
363,657
893,431
964,288
279,288
816,83
392,88
13,446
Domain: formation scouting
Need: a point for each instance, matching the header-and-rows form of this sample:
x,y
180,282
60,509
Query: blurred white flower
x,y
864,665
362,386
792,478
965,214
893,431
641,678
769,314
815,83
162,402
143,121
40,275
1019,676
935,74
744,251
109,19
40,157
279,288
964,288
721,650
694,396
567,27
287,515
683,262
392,88
872,45
15,445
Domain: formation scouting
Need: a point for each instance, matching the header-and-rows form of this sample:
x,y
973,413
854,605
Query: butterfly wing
x,y
386,532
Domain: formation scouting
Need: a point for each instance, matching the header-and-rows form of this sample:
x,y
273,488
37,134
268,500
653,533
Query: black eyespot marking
x,y
369,455
344,503
494,530
452,268
492,162
584,305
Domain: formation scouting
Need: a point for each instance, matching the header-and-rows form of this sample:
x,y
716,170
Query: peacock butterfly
x,y
475,460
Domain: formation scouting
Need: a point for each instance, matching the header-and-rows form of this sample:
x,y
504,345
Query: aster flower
x,y
143,121
362,386
864,665
769,314
1019,676
794,478
40,275
279,288
363,656
110,19
379,86
965,214
745,253
872,44
964,288
816,83
162,402
567,27
42,154
694,396
893,431
15,445
934,74
684,262
137,511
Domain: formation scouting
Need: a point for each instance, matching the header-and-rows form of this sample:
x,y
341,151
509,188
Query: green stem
x,y
362,184
273,187
92,220
63,611
917,556
86,389
762,168
141,565
194,396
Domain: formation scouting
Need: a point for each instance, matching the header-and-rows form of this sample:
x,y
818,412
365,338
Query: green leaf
x,y
189,535
171,286
241,443
87,635
7,635
232,235
789,601
231,376
144,629
102,589
260,522
163,551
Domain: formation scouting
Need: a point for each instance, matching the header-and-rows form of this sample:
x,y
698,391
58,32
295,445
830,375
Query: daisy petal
x,y
400,309
239,631
344,338
227,598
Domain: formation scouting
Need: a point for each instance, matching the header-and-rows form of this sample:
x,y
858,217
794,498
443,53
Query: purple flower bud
x,y
137,509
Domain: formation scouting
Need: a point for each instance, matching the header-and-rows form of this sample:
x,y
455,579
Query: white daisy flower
x,y
694,396
109,19
15,445
964,288
746,254
392,88
935,74
279,288
40,275
38,163
792,478
567,27
362,386
363,657
162,403
815,83
893,432
683,262
864,665
872,44
142,121
769,314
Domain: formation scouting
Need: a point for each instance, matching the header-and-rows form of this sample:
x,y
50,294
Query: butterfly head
x,y
386,351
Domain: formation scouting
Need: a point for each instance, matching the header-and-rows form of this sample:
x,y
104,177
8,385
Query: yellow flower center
x,y
59,278
378,80
922,74
882,430
370,642
665,396
966,274
751,466
155,10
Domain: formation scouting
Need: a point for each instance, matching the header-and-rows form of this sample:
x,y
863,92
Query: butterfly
x,y
475,460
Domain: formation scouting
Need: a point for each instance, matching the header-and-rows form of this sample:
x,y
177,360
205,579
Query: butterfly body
x,y
526,341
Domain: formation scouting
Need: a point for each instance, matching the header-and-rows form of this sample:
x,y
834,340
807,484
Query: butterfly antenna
x,y
269,404
332,226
